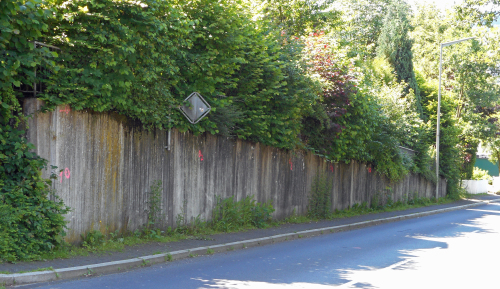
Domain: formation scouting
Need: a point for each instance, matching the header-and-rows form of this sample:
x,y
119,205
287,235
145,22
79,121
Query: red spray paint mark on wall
x,y
200,155
66,109
67,174
331,168
291,164
369,170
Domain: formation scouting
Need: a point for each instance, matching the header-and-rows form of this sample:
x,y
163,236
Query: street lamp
x,y
439,107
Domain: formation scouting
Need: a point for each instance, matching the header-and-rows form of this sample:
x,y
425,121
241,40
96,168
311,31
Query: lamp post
x,y
439,107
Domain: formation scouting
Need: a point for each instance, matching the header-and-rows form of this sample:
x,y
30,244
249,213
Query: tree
x,y
296,17
494,148
361,23
395,44
483,12
470,69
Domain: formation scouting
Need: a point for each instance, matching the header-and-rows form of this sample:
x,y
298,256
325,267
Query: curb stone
x,y
117,266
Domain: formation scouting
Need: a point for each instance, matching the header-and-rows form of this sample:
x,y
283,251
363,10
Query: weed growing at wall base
x,y
93,239
319,198
154,213
230,214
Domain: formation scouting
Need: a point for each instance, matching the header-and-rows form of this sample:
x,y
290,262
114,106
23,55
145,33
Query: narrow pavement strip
x,y
146,254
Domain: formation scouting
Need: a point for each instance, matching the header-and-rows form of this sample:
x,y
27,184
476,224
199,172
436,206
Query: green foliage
x,y
275,100
480,174
450,155
319,206
296,17
395,45
468,67
22,23
264,85
382,71
469,161
118,56
296,219
93,239
354,127
483,12
361,123
229,214
382,202
322,92
143,59
495,152
31,217
386,156
155,215
362,22
335,129
404,127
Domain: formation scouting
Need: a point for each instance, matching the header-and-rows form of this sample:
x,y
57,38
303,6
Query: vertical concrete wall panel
x,y
335,195
372,187
345,185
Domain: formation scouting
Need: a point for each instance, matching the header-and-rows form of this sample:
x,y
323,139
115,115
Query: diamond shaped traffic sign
x,y
197,109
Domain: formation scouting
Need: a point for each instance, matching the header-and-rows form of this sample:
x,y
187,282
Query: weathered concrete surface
x,y
109,163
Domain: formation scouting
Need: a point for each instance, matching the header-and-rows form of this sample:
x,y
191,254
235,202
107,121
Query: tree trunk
x,y
498,163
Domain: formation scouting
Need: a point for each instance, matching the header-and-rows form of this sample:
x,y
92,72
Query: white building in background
x,y
482,152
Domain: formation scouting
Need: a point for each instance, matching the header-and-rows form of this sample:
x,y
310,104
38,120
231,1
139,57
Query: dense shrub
x,y
480,174
31,219
143,59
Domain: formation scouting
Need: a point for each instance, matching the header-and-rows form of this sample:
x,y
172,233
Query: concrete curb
x,y
117,266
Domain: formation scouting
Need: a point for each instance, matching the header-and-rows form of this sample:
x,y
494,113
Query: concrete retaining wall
x,y
109,163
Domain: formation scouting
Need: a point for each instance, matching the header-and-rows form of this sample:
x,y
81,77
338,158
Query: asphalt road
x,y
458,249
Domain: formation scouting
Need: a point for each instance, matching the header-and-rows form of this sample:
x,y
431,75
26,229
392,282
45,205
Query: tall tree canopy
x,y
484,12
296,17
395,44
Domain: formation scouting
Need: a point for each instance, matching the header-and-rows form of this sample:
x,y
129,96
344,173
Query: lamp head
x,y
455,41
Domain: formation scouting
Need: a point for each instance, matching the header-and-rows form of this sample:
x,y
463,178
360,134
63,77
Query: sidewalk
x,y
146,254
